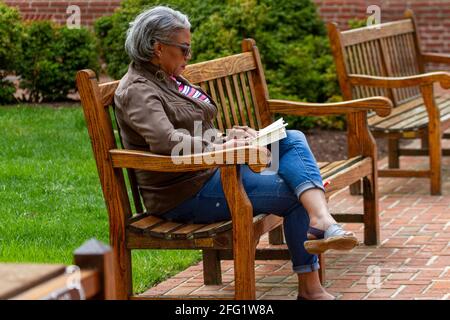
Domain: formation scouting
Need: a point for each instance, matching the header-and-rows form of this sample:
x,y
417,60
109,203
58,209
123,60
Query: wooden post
x,y
276,236
95,255
434,138
113,183
244,245
424,141
409,14
322,268
371,218
394,156
212,271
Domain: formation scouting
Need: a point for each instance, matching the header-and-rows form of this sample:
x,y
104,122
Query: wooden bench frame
x,y
96,278
236,239
355,50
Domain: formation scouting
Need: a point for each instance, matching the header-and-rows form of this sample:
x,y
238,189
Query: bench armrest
x,y
401,82
257,159
436,57
381,105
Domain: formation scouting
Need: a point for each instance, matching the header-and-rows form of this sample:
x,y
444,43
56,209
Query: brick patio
x,y
412,261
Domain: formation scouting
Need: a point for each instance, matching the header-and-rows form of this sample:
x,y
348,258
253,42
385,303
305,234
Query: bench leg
x,y
434,141
244,273
212,272
394,156
355,189
371,219
93,254
122,271
276,236
424,141
322,268
434,138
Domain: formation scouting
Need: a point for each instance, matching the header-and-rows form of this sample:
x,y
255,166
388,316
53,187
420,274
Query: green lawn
x,y
50,195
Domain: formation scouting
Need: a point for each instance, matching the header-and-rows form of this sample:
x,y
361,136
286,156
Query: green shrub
x,y
357,23
45,56
51,58
7,90
10,39
292,41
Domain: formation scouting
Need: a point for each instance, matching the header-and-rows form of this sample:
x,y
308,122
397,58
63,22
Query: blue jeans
x,y
277,193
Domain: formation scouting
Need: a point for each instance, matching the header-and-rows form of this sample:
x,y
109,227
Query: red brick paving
x,y
412,261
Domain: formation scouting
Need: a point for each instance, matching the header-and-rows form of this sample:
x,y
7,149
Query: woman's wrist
x,y
231,143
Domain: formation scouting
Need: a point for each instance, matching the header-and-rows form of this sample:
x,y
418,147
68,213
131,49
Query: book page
x,y
273,127
272,133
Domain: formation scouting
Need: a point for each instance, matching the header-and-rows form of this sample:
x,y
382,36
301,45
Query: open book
x,y
273,132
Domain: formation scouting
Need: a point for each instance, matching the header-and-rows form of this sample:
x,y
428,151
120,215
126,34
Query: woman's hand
x,y
238,136
240,132
232,143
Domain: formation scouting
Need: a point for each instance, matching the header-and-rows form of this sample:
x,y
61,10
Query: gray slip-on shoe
x,y
334,238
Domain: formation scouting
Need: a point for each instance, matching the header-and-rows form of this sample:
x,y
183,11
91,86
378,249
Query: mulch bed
x,y
331,145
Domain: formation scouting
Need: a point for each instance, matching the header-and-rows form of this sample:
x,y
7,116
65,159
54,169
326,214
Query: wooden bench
x,y
92,277
238,85
388,61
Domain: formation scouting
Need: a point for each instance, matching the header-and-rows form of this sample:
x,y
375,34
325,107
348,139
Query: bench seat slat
x,y
146,222
445,116
211,229
421,118
164,230
330,166
342,165
410,116
186,231
410,106
322,164
348,174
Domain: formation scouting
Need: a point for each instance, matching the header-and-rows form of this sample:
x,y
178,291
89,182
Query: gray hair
x,y
157,23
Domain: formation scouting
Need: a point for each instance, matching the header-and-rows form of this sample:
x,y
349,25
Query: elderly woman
x,y
156,108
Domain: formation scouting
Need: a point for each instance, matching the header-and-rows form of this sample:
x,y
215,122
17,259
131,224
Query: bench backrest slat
x,y
385,30
389,49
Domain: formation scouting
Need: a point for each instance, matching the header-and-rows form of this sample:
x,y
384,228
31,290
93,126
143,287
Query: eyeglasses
x,y
185,49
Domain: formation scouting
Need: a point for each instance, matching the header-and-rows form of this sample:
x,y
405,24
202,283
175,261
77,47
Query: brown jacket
x,y
149,111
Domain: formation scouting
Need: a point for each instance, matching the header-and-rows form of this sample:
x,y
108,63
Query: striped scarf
x,y
191,91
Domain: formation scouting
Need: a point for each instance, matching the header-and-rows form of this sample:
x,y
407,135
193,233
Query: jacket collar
x,y
149,70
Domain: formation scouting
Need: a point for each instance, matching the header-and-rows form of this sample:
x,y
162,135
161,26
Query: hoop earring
x,y
160,75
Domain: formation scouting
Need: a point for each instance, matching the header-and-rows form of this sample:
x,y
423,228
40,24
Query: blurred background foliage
x,y
290,36
45,56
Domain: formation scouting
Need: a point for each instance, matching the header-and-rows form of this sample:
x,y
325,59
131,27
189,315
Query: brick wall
x,y
90,10
433,15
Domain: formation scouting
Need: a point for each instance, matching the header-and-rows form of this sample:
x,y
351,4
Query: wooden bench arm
x,y
401,82
381,105
257,158
436,57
